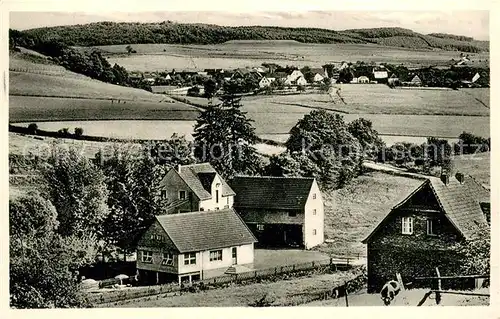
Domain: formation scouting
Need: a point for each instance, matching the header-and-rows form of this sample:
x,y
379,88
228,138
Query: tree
x,y
130,49
438,151
76,188
324,138
210,87
78,131
346,75
33,128
368,137
224,136
301,88
286,164
43,264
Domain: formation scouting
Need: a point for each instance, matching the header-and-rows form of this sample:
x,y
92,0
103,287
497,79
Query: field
x,y
476,165
37,109
42,91
352,212
233,54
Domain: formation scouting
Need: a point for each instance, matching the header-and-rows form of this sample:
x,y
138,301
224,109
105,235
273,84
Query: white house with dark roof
x,y
196,187
194,246
418,234
281,211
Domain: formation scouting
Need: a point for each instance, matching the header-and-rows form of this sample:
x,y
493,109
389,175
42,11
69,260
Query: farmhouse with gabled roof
x,y
417,234
281,211
194,246
196,187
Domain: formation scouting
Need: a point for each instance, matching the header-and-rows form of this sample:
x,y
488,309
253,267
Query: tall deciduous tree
x,y
43,263
76,188
325,139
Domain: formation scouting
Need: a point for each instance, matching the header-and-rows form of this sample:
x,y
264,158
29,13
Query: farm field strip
x,y
239,54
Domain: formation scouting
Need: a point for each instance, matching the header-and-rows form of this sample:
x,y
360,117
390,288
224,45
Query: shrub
x,y
33,128
78,131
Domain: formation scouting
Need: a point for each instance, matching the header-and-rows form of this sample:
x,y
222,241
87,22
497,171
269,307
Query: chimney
x,y
445,178
460,177
178,168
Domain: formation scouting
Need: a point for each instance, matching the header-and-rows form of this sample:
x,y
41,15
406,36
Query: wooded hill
x,y
111,33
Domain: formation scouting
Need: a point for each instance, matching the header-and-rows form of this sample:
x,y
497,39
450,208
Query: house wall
x,y
245,256
314,222
173,184
267,216
390,251
158,247
212,204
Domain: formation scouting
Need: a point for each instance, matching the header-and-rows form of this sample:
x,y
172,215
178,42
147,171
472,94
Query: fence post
x,y
255,273
346,300
313,264
438,294
331,261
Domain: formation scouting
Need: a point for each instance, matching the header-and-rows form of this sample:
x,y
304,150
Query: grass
x,y
476,165
235,54
269,258
352,212
278,293
39,109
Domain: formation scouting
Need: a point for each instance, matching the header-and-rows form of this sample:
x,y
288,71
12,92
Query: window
x,y
190,259
217,196
156,237
314,232
215,255
314,211
168,259
260,227
182,194
292,213
164,194
407,225
431,227
227,201
147,257
202,209
314,196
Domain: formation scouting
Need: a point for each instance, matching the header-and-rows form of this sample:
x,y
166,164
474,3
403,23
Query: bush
x,y
78,131
33,128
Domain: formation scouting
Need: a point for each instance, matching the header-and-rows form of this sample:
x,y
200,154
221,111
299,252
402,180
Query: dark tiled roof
x,y
191,175
206,180
461,204
271,192
199,231
317,70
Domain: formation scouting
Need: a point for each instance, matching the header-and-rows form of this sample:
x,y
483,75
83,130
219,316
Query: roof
x,y
271,192
199,176
200,231
460,203
317,70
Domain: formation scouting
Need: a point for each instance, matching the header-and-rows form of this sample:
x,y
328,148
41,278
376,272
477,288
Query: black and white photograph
x,y
309,158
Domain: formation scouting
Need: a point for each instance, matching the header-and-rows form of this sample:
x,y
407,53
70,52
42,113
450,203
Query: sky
x,y
469,23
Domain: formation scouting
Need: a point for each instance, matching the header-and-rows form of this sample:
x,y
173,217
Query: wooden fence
x,y
438,291
332,264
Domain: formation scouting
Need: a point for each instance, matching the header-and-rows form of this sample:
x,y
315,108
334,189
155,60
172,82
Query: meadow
x,y
352,212
233,54
39,109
